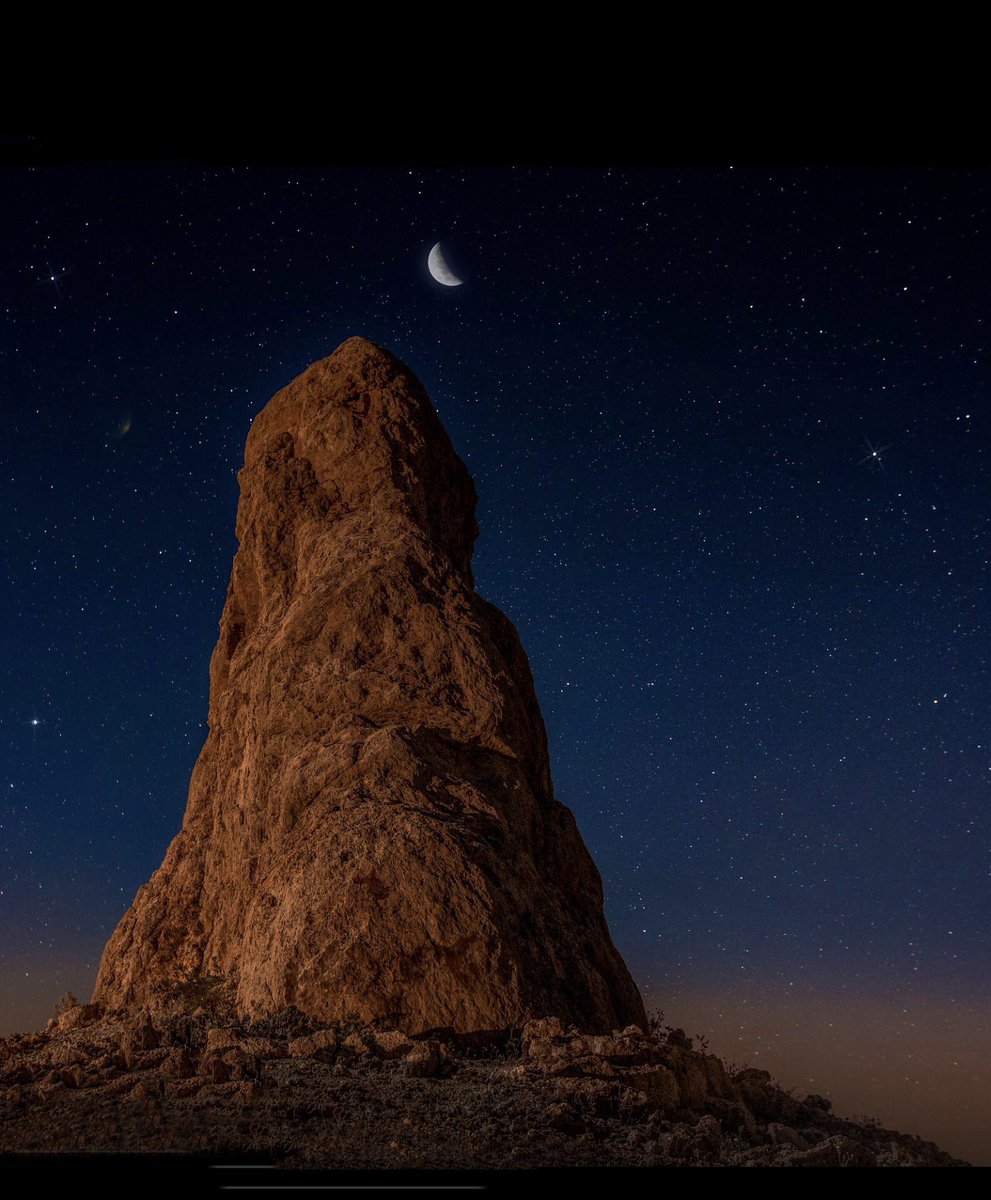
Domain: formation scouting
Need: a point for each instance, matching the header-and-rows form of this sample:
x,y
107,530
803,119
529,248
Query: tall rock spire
x,y
371,827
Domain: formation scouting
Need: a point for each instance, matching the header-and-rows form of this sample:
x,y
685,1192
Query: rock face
x,y
371,828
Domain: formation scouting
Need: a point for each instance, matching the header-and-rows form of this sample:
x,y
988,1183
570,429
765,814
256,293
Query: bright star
x,y
35,721
874,454
53,277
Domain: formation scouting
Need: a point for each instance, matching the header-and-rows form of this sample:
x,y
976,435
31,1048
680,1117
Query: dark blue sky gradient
x,y
763,662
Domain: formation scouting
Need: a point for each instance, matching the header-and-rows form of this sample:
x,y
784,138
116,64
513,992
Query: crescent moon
x,y
437,264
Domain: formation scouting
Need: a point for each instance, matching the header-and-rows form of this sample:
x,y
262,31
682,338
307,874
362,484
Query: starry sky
x,y
729,428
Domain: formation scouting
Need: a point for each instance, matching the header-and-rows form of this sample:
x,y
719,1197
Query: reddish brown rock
x,y
391,1043
183,1088
178,1064
242,1065
428,1060
76,1017
371,828
121,1086
323,1045
221,1039
354,1043
214,1068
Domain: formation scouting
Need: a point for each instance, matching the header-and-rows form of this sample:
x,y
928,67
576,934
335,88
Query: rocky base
x,y
283,1090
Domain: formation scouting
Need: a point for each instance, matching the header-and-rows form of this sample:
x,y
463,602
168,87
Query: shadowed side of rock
x,y
371,829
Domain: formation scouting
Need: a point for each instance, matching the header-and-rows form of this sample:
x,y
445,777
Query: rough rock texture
x,y
371,828
284,1091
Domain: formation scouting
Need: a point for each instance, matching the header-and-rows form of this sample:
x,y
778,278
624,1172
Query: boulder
x,y
322,1045
428,1060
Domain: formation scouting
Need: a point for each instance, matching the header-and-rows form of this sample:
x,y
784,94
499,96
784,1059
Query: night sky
x,y
760,648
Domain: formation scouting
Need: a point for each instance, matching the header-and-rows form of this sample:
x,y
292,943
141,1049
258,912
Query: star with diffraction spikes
x,y
54,277
874,454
